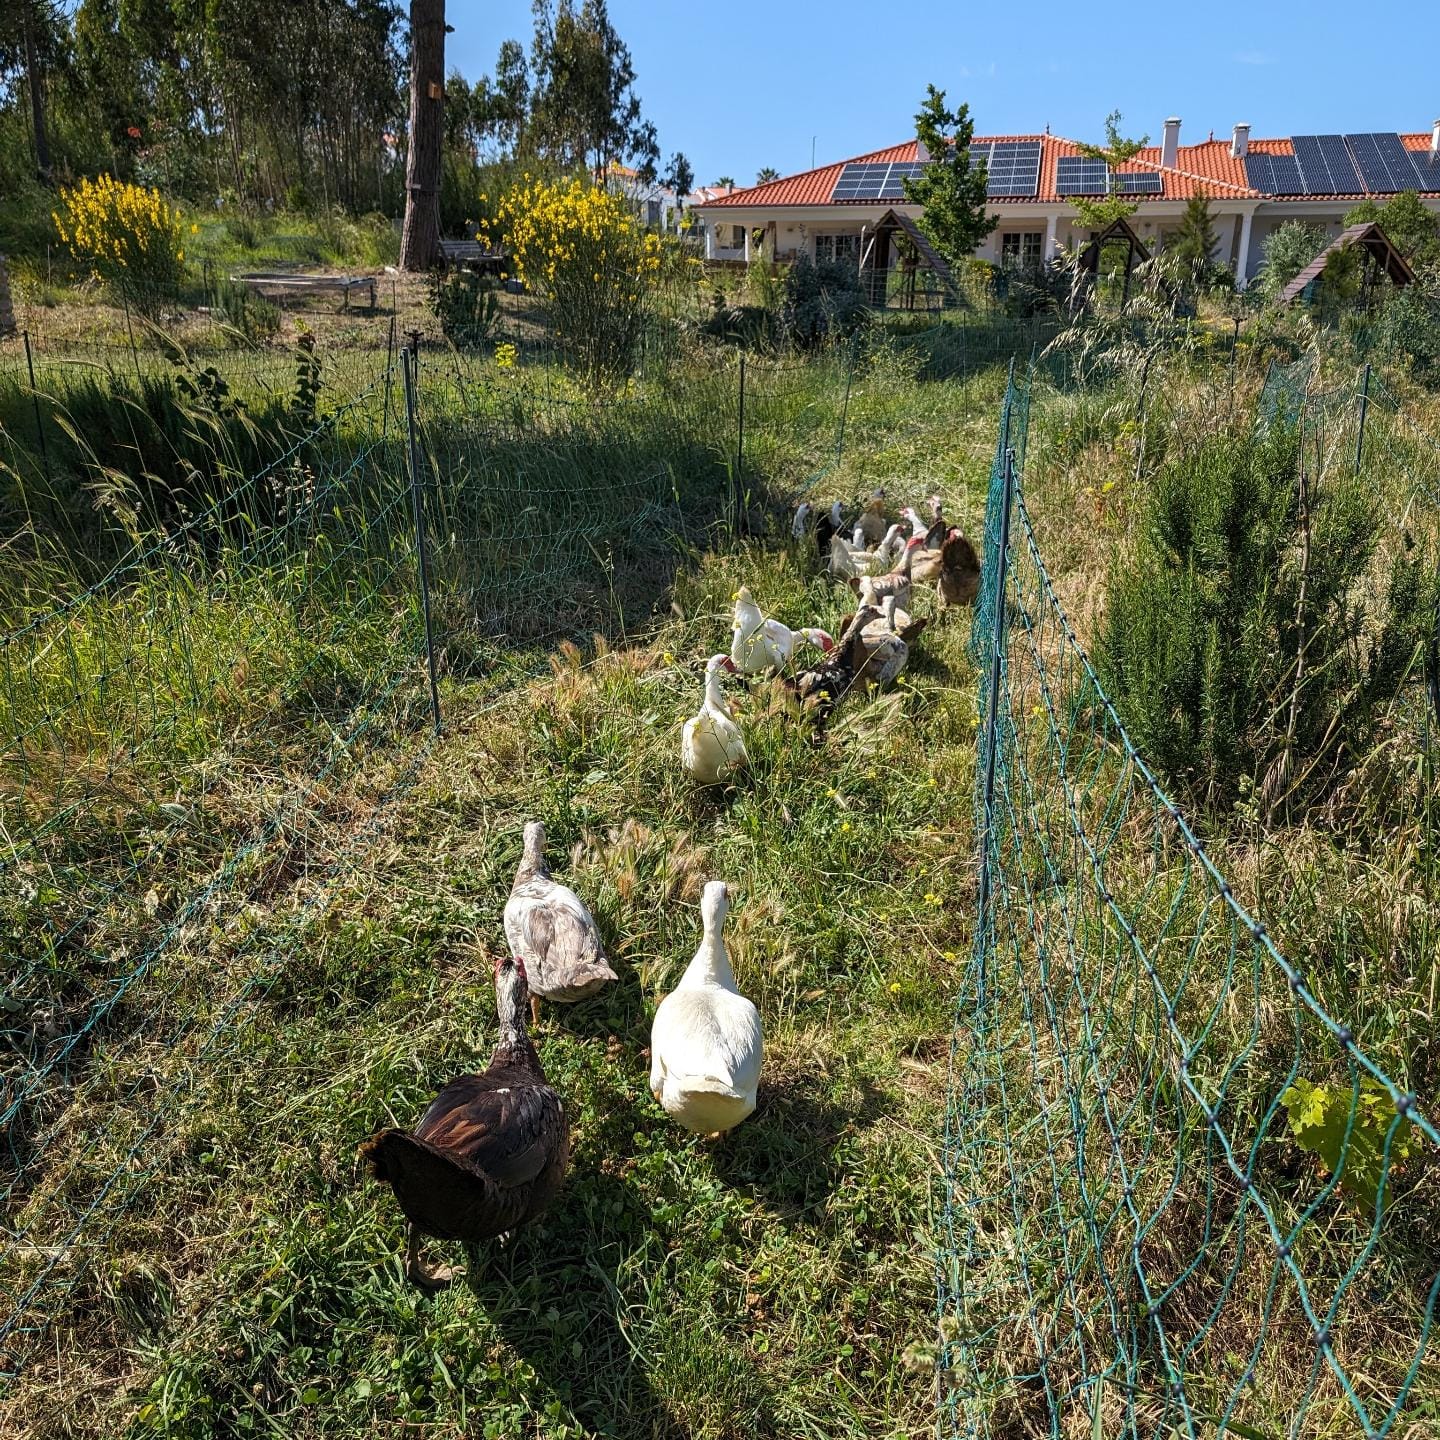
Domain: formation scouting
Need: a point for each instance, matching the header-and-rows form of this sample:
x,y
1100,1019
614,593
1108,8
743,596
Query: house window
x,y
737,237
652,212
837,248
1021,249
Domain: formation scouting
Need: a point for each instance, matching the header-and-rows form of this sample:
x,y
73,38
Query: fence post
x,y
422,549
997,648
845,407
740,448
1140,416
1364,409
35,401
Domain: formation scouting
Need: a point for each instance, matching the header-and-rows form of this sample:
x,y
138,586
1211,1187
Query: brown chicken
x,y
489,1154
959,580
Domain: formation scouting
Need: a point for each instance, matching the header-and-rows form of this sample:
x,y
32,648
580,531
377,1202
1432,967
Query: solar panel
x,y
1285,171
1396,158
1079,175
1012,168
1341,165
874,180
1374,173
1135,182
1427,166
1260,174
893,187
1325,165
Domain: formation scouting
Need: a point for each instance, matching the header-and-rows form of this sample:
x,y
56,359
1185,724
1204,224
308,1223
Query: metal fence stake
x,y
1364,409
740,448
422,548
997,645
35,400
845,407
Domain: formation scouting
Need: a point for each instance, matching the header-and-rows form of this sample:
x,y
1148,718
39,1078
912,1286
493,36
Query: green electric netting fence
x,y
1181,1199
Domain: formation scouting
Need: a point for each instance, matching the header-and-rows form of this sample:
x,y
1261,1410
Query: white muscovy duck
x,y
711,745
705,1042
759,644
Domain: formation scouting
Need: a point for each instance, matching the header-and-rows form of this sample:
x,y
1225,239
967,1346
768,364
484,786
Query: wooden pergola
x,y
916,254
1088,266
1381,258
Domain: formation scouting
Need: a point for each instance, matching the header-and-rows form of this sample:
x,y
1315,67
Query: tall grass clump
x,y
1250,644
130,237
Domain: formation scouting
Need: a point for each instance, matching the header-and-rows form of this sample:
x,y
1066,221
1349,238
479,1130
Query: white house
x,y
1253,187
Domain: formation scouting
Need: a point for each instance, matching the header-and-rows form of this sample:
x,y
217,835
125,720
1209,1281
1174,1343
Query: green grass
x,y
241,1276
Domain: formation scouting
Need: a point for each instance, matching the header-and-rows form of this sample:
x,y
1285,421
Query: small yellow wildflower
x,y
894,987
844,827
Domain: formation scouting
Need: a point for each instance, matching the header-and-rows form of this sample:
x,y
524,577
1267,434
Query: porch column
x,y
747,244
1050,227
1242,259
709,240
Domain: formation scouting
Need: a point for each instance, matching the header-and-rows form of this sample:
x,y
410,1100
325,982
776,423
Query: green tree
x,y
1289,248
766,173
1191,249
951,189
724,182
32,41
1100,214
1407,220
1246,644
420,242
680,176
584,109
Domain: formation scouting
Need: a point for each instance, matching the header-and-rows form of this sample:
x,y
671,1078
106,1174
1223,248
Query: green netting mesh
x,y
1134,1241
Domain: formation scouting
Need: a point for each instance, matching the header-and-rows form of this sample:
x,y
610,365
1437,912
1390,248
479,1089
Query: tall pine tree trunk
x,y
37,92
420,244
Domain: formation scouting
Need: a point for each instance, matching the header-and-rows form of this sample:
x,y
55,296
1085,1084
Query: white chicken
x,y
759,644
711,745
706,1043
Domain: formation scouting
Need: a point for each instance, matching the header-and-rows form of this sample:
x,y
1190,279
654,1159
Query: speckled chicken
x,y
489,1154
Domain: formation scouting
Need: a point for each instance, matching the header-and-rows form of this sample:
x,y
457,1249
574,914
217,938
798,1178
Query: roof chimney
x,y
1435,138
1240,145
1170,145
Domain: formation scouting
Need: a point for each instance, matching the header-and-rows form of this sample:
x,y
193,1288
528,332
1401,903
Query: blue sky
x,y
738,86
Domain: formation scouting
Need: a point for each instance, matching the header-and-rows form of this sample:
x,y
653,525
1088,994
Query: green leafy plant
x,y
1247,635
1288,250
822,302
466,305
1347,1127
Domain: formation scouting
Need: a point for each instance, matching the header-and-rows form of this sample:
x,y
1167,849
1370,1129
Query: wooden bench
x,y
472,255
285,282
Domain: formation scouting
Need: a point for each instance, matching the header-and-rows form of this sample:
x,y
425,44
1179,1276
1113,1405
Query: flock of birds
x,y
491,1151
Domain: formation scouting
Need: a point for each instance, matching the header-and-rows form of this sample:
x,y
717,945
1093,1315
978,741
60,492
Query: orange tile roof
x,y
1207,166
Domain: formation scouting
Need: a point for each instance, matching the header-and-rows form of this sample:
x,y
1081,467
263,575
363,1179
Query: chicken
x,y
959,580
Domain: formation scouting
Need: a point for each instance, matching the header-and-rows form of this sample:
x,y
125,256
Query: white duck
x,y
711,745
549,927
705,1044
760,644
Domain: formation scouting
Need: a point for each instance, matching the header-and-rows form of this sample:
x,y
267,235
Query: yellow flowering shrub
x,y
131,237
579,246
